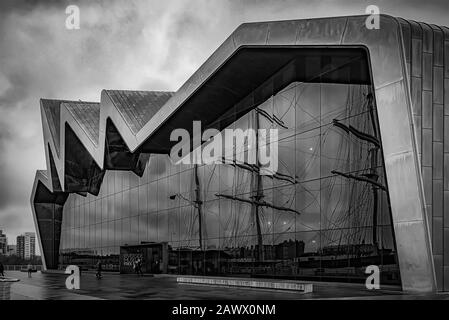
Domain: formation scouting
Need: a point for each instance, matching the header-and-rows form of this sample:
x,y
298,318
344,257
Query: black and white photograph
x,y
250,153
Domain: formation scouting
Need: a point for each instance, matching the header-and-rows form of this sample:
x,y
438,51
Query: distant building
x,y
3,243
26,245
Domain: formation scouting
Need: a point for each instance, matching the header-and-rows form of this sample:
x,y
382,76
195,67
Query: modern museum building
x,y
362,177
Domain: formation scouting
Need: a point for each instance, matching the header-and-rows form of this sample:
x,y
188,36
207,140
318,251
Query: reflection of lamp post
x,y
197,204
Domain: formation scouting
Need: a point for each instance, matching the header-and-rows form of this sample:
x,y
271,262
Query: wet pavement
x,y
43,286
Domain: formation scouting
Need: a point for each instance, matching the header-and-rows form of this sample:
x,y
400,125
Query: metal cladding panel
x,y
88,117
384,46
413,235
282,33
321,31
396,113
52,111
138,107
428,84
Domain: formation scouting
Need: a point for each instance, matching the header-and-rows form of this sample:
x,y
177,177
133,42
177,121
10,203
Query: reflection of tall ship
x,y
364,246
346,243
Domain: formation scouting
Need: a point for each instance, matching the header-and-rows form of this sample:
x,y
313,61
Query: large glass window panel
x,y
173,225
111,206
152,226
118,210
125,180
186,182
307,155
309,264
238,256
118,232
210,176
104,209
284,106
211,219
98,235
335,151
162,194
76,211
162,226
284,222
126,231
126,204
188,228
133,180
286,164
308,204
152,196
286,252
227,177
133,201
134,220
265,214
92,209
143,205
91,236
243,181
143,227
333,102
76,243
173,191
82,214
111,182
112,234
118,181
307,110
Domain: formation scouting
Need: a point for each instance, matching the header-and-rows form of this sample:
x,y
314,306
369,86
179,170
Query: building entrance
x,y
153,257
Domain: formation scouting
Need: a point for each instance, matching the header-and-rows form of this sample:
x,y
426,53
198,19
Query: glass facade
x,y
323,216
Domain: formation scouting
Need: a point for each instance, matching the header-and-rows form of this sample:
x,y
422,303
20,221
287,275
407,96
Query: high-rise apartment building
x,y
26,245
3,243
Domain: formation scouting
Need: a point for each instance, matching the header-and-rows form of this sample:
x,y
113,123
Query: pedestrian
x,y
98,274
140,267
2,270
30,269
135,266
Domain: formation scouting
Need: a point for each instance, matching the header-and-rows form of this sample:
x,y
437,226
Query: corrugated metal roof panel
x,y
138,107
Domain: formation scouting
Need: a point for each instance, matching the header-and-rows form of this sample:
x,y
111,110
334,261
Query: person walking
x,y
139,267
30,269
2,270
99,267
135,265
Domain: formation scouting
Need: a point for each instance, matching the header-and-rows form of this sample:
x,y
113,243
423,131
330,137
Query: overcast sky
x,y
138,45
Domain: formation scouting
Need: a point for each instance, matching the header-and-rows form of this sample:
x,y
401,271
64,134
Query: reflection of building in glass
x,y
26,245
350,190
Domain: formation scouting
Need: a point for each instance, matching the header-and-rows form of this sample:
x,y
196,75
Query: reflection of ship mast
x,y
257,195
197,203
371,177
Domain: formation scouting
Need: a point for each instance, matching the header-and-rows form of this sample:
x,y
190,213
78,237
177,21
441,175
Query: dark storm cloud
x,y
140,44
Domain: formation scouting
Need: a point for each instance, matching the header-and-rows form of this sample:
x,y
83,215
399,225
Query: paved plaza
x,y
44,286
